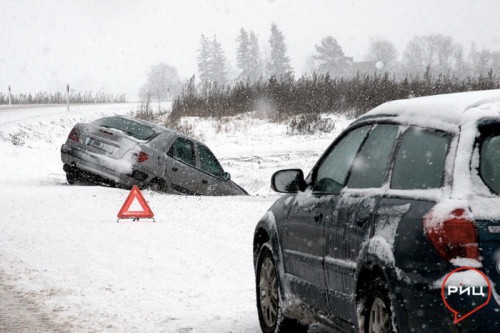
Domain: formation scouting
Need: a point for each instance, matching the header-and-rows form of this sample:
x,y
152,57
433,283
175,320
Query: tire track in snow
x,y
20,314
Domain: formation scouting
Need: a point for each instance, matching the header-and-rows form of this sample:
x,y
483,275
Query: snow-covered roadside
x,y
189,272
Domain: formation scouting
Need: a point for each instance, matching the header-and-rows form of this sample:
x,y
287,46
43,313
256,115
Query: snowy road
x,y
62,251
19,314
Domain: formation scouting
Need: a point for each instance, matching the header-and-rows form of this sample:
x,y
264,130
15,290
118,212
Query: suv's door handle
x,y
174,169
318,217
204,181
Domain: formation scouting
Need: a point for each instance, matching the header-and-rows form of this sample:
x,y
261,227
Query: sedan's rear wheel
x,y
268,300
72,177
158,185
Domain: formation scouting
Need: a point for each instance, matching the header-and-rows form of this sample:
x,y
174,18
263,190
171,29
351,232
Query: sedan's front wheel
x,y
268,301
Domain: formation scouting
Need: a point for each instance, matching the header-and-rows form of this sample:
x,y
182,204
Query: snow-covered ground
x,y
191,271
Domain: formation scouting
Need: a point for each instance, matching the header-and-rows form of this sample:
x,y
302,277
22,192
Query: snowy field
x,y
61,248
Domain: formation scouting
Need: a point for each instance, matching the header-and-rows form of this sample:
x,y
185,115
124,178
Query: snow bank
x,y
191,271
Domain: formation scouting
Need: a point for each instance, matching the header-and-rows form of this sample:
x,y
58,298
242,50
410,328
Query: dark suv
x,y
406,194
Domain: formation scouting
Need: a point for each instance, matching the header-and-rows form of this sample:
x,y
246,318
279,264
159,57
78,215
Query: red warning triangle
x,y
125,213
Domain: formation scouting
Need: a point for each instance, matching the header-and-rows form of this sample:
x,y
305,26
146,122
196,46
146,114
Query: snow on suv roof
x,y
448,108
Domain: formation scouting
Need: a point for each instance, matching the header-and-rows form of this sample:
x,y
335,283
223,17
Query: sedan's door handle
x,y
174,169
318,217
204,181
362,219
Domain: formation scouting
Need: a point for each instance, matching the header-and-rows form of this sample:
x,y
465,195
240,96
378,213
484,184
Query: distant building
x,y
362,67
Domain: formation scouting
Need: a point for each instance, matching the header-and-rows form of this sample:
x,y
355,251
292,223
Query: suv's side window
x,y
370,167
331,175
420,160
183,150
208,162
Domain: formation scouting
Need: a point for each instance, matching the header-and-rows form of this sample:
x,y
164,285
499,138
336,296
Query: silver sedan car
x,y
122,151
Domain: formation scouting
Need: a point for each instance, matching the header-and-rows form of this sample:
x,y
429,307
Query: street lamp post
x,y
67,96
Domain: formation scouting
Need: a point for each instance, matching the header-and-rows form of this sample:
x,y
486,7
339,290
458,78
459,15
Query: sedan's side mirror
x,y
226,176
288,181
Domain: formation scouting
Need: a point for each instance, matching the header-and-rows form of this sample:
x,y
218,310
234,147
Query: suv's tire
x,y
269,307
377,311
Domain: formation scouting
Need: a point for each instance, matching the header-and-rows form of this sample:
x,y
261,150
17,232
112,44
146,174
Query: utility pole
x,y
67,96
10,102
159,102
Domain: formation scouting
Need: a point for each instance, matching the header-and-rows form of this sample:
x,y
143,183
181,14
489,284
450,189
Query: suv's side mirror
x,y
226,176
288,181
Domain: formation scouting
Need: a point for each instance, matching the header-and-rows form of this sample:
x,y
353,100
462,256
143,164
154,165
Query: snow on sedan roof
x,y
447,108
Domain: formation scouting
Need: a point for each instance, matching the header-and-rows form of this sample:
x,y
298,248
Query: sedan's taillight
x,y
142,156
454,236
74,135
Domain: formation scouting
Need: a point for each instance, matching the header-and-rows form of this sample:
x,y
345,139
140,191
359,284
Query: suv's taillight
x,y
455,236
142,156
74,135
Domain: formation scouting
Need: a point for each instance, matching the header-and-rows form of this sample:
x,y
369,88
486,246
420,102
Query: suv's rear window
x,y
489,166
420,160
130,127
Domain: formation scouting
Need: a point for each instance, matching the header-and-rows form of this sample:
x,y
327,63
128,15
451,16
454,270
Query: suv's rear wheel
x,y
268,301
377,312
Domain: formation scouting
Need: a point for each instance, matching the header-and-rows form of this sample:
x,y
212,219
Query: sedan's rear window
x,y
130,127
489,166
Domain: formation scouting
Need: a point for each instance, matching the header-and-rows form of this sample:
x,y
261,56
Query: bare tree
x,y
481,62
460,64
414,55
384,51
163,82
431,52
495,62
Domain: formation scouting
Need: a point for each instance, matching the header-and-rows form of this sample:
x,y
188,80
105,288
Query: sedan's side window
x,y
371,165
419,163
208,162
183,150
332,174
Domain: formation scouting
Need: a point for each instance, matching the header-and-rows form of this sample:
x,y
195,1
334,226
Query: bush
x,y
310,124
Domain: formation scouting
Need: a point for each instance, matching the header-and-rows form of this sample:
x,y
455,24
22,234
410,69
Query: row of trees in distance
x,y
285,97
75,97
435,54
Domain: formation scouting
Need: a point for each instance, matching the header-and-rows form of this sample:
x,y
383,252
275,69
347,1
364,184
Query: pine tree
x,y
204,59
279,64
211,61
331,57
217,63
254,63
243,54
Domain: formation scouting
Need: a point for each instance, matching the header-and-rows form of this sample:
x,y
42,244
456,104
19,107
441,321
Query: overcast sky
x,y
110,44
